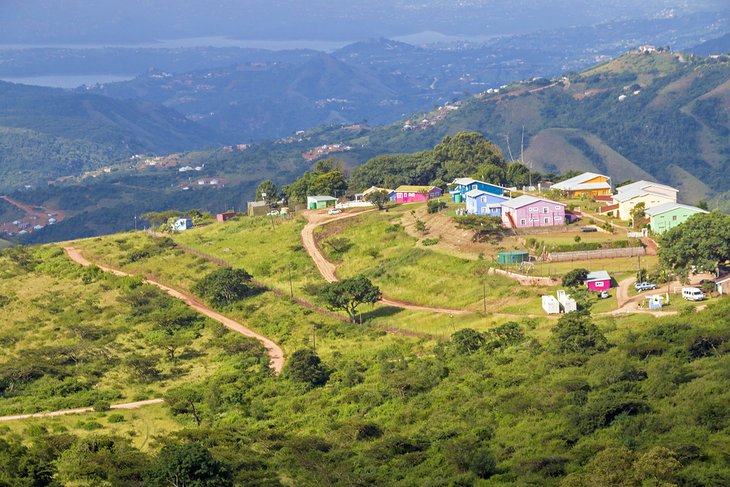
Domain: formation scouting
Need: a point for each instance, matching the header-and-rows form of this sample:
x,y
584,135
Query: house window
x,y
558,217
545,210
674,218
599,283
411,194
484,210
547,220
523,222
484,199
533,209
557,207
400,195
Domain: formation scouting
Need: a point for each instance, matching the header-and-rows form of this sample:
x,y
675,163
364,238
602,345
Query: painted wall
x,y
538,214
650,200
491,189
599,285
481,205
415,197
670,219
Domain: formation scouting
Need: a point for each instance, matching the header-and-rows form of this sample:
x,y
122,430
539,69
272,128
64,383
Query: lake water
x,y
68,81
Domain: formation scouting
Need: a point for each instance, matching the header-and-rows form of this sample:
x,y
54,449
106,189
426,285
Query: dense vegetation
x,y
47,133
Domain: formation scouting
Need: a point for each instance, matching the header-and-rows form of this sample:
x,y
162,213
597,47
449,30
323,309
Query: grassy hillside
x,y
631,400
48,133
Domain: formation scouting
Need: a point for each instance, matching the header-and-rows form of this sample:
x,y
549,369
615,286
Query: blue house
x,y
182,224
463,185
480,202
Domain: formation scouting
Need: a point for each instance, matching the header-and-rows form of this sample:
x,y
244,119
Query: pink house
x,y
413,194
598,281
529,211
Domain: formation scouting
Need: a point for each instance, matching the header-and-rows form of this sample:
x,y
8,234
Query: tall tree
x,y
269,189
379,198
464,153
350,293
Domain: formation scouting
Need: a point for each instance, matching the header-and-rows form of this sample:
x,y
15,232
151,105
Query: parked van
x,y
692,294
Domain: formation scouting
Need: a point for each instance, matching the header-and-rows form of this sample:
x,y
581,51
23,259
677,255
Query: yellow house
x,y
647,192
586,185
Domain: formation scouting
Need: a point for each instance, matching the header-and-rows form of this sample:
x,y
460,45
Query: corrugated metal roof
x,y
665,207
577,182
525,200
598,276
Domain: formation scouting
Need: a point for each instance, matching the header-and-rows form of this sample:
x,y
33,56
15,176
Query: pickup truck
x,y
644,286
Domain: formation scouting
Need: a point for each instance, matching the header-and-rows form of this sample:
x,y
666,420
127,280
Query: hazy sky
x,y
135,21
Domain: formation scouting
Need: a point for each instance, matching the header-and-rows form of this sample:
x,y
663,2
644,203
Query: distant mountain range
x,y
263,95
48,133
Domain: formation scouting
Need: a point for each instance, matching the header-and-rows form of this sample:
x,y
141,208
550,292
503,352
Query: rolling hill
x,y
659,115
49,133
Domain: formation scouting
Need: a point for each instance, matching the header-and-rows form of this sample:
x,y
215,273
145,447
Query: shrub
x,y
306,367
434,206
102,405
116,418
575,278
429,241
224,286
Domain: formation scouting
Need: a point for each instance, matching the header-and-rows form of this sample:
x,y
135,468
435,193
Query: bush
x,y
427,242
102,405
116,418
225,286
306,367
575,278
434,206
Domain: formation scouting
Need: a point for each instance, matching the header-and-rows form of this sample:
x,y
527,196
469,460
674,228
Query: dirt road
x,y
329,270
128,405
276,354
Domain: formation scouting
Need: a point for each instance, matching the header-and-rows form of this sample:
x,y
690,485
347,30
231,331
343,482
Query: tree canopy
x,y
224,286
348,294
703,241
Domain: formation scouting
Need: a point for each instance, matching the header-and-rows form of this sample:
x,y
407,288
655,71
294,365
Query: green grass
x,y
383,251
76,327
141,426
4,244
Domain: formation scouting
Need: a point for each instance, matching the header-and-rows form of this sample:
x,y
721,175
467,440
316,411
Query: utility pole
x,y
484,294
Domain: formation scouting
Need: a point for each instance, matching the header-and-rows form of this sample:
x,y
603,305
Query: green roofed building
x,y
515,257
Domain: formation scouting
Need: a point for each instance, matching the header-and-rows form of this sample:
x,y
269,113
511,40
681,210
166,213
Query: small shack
x,y
550,305
221,217
598,281
319,202
257,208
182,224
567,303
655,301
515,257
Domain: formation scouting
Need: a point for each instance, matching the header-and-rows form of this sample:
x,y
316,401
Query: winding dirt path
x,y
276,354
329,270
128,405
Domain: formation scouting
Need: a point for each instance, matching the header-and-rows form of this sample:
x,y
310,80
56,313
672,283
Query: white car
x,y
334,211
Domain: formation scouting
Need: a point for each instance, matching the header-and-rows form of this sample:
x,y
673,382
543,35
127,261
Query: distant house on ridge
x,y
413,194
587,184
480,202
182,224
667,216
464,185
530,211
